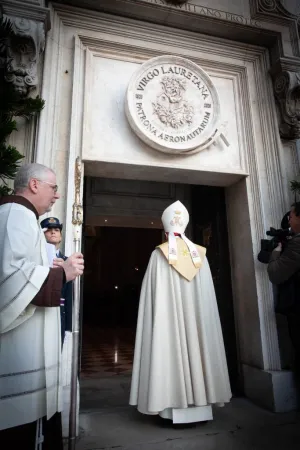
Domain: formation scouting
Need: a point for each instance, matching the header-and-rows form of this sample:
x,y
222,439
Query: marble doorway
x,y
122,228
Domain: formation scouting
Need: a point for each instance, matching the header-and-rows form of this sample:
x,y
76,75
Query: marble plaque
x,y
173,106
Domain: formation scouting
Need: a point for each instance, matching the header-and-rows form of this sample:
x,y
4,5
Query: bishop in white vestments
x,y
180,367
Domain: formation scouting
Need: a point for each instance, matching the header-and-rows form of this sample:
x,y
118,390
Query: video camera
x,y
278,236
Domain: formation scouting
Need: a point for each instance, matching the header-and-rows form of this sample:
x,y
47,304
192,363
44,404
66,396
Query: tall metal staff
x,y
77,220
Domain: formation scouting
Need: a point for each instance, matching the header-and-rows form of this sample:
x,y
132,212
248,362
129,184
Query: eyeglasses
x,y
54,186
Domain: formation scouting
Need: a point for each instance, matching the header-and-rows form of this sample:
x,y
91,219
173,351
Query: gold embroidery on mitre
x,y
176,219
184,265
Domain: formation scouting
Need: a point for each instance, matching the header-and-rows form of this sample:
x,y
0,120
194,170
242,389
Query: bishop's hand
x,y
73,266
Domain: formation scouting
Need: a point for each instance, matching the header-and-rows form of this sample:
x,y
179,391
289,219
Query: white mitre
x,y
175,220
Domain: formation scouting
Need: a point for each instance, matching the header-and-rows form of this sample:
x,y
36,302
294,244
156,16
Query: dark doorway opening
x,y
116,260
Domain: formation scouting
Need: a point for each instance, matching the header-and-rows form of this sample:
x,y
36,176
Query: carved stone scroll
x,y
20,53
281,11
287,93
287,8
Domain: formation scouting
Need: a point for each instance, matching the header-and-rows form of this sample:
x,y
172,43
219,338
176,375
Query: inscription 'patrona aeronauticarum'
x,y
172,105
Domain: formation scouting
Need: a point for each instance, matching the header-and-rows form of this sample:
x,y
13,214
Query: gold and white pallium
x,y
184,264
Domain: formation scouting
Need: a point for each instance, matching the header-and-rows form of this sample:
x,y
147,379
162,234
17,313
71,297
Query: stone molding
x,y
274,8
100,34
286,70
48,141
21,52
177,17
31,10
273,11
286,82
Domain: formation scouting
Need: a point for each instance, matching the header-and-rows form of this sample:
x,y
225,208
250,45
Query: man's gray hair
x,y
29,171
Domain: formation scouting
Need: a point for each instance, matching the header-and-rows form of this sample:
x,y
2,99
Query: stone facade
x,y
250,50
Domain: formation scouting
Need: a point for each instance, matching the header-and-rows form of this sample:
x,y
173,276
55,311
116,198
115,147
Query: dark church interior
x,y
116,261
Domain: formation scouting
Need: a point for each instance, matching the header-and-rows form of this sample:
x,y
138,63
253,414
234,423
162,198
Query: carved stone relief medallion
x,y
173,106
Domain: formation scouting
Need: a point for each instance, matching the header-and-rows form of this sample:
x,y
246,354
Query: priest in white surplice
x,y
30,338
180,366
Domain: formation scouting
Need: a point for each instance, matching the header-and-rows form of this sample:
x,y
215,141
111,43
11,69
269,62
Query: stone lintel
x,y
221,25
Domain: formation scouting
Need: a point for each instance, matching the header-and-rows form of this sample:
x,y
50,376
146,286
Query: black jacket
x,y
284,271
67,294
283,265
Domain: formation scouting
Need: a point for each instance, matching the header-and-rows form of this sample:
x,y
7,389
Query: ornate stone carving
x,y
20,53
287,8
287,93
281,11
173,106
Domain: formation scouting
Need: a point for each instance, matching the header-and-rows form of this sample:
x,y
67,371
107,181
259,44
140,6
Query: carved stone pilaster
x,y
286,82
20,52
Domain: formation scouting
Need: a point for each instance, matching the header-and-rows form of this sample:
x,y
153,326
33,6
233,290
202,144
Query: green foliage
x,y
6,128
12,105
10,158
4,190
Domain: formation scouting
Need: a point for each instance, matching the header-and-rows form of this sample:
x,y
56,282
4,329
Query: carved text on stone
x,y
173,105
210,12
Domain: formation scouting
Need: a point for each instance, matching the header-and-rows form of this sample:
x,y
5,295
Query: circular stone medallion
x,y
172,105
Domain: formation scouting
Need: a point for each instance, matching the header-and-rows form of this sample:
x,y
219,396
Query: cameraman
x,y
284,271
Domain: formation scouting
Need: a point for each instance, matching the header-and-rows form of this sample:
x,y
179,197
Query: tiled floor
x,y
106,352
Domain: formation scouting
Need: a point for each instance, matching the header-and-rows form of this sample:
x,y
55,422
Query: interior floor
x,y
106,351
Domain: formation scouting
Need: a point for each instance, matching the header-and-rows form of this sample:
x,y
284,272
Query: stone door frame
x,y
256,196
